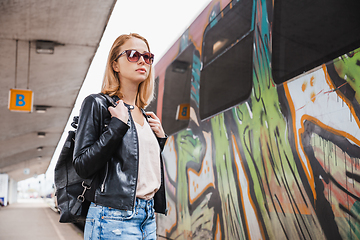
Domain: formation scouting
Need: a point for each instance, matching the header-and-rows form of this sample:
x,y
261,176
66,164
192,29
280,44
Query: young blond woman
x,y
120,147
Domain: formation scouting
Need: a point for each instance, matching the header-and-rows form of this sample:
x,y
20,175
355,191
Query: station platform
x,y
34,219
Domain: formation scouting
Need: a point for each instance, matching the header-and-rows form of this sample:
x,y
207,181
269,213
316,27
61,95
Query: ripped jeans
x,y
109,223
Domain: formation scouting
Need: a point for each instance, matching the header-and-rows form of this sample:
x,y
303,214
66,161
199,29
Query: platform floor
x,y
34,219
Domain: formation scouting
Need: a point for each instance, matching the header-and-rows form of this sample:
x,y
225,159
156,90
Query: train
x,y
261,103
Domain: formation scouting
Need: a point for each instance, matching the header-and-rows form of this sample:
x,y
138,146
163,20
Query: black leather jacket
x,y
108,148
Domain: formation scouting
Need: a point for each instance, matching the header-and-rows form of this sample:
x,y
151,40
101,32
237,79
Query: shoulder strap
x,y
81,198
146,116
109,99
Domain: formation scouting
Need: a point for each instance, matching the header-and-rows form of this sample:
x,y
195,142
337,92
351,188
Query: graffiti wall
x,y
282,165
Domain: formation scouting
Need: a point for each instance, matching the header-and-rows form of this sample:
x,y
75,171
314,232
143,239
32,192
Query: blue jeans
x,y
109,223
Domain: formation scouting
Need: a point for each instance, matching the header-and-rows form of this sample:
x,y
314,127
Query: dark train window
x,y
309,33
177,89
226,76
153,104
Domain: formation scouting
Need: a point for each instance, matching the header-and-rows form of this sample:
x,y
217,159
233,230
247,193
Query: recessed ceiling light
x,y
41,134
45,47
41,108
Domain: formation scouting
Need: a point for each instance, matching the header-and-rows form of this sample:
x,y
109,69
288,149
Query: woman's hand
x,y
155,124
120,112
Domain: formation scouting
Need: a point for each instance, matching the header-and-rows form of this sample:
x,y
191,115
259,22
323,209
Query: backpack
x,y
70,187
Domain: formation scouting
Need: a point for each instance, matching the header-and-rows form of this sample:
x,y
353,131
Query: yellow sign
x,y
183,111
20,100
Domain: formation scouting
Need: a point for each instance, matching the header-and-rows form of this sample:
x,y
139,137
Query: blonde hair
x,y
111,84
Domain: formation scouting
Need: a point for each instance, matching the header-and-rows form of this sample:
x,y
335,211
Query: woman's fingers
x,y
120,111
152,115
155,124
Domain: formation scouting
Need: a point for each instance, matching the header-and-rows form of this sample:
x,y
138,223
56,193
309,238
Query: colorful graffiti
x,y
282,165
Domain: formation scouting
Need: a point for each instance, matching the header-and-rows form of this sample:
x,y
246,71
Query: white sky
x,y
161,22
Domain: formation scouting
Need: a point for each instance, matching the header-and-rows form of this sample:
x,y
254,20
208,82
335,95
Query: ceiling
x,y
75,28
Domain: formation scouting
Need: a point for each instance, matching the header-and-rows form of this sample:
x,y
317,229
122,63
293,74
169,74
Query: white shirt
x,y
149,174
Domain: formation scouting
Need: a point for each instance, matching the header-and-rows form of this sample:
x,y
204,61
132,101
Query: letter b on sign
x,y
183,111
20,100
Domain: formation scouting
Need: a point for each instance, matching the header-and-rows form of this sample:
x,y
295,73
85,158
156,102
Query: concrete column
x,y
12,191
4,184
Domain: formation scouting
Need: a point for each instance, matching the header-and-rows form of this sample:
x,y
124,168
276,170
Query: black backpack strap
x,y
109,99
81,198
146,116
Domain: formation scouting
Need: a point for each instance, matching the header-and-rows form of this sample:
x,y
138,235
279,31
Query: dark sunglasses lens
x,y
133,56
148,58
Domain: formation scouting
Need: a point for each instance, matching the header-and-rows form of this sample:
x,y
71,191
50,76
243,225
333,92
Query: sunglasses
x,y
134,56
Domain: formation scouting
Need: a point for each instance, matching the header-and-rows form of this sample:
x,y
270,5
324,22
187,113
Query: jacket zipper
x,y
103,184
137,169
